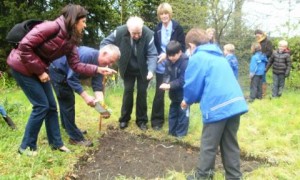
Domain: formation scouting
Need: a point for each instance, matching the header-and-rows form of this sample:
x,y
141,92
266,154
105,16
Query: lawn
x,y
269,133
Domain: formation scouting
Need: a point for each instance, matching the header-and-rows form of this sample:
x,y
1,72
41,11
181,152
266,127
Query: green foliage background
x,y
105,15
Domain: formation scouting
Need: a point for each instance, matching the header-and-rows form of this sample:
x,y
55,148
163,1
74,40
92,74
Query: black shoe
x,y
156,128
143,126
123,125
83,131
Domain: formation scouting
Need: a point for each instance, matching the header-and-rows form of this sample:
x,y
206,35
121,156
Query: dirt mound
x,y
131,156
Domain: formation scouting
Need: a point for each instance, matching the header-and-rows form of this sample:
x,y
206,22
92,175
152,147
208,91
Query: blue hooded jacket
x,y
234,64
209,80
258,63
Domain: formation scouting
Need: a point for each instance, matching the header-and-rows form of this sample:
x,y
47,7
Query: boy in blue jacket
x,y
173,81
231,58
257,69
210,81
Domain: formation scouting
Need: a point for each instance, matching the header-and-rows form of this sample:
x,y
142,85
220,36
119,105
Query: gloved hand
x,y
287,75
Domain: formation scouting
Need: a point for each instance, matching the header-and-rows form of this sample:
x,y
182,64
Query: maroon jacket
x,y
42,45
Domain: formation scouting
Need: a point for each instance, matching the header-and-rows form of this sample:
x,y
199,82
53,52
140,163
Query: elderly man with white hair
x,y
137,63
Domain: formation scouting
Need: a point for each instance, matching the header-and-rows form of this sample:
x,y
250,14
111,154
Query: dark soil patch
x,y
129,155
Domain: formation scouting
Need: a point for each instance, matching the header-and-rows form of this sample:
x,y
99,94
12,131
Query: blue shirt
x,y
166,33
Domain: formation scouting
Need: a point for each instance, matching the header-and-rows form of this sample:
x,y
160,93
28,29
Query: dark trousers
x,y
66,100
44,109
256,87
141,99
158,106
278,84
224,134
178,121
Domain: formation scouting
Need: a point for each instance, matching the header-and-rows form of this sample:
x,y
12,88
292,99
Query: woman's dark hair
x,y
72,14
173,48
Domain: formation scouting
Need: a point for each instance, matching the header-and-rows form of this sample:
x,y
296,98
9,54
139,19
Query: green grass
x,y
270,132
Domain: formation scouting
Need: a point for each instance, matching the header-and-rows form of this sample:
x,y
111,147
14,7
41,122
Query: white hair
x,y
135,22
111,48
283,43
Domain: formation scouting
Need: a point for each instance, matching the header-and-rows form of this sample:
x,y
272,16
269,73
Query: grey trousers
x,y
278,84
224,134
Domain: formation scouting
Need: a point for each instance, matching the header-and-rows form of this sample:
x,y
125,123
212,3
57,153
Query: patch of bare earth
x,y
129,155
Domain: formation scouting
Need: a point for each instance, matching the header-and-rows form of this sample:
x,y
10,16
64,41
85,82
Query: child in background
x,y
231,58
211,33
257,70
7,118
173,81
281,62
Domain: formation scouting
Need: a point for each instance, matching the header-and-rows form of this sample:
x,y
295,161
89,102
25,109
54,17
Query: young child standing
x,y
173,81
257,70
281,62
222,102
231,58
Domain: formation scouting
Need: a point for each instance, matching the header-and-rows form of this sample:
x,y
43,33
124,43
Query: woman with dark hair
x,y
29,63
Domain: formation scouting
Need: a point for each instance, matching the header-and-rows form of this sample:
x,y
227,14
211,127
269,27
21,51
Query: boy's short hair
x,y
196,36
173,48
283,43
229,48
255,47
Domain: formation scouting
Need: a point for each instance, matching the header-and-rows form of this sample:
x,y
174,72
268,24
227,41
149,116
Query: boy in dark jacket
x,y
281,62
173,81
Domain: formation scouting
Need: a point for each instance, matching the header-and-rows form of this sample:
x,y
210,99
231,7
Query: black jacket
x,y
174,75
177,34
281,63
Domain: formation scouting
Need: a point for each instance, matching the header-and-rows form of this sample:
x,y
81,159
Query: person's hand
x,y
106,71
89,100
251,75
164,86
161,57
183,105
287,75
44,77
150,75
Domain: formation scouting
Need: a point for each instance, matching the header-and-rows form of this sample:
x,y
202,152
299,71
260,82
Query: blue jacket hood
x,y
209,48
